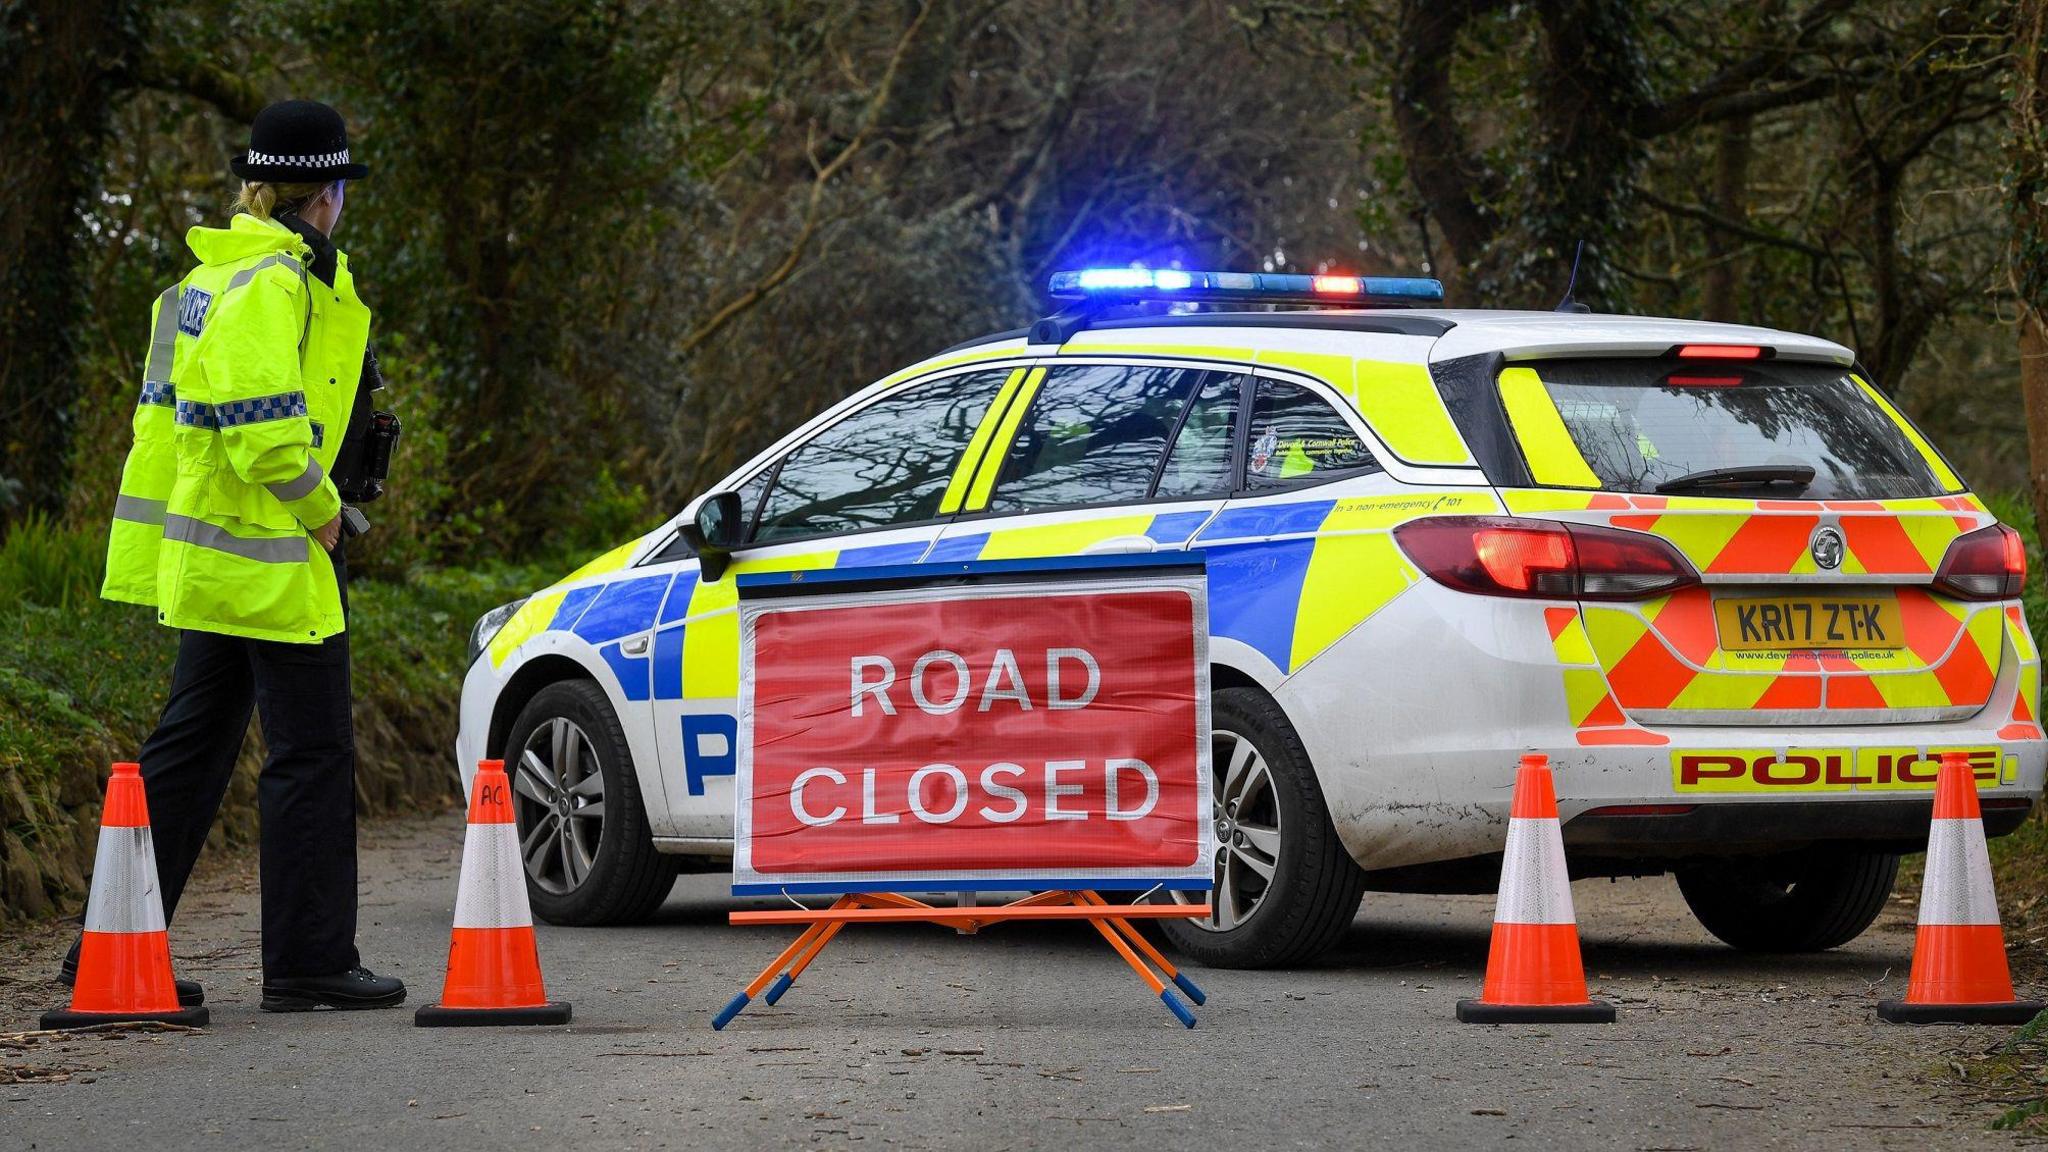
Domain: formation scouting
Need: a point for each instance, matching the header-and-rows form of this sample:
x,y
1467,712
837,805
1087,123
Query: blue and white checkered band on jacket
x,y
283,406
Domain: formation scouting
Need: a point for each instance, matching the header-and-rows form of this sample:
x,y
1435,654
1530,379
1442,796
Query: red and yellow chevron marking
x,y
1729,537
2026,704
1591,705
1664,654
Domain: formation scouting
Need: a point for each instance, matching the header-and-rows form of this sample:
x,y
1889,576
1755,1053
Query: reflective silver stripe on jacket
x,y
163,346
302,486
291,262
138,510
267,549
249,273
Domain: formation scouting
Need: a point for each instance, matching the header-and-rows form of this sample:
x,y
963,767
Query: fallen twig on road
x,y
136,1026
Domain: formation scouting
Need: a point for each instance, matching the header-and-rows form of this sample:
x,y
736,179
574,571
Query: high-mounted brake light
x,y
1988,564
1127,285
1718,352
1543,559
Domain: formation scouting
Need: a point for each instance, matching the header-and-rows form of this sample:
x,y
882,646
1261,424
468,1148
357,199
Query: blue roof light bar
x,y
1130,285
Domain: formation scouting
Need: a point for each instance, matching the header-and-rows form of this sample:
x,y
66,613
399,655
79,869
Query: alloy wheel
x,y
558,798
1247,818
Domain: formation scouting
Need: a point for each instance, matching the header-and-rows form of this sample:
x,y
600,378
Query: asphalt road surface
x,y
1024,1037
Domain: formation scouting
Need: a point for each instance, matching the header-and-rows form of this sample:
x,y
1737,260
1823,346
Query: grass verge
x,y
82,681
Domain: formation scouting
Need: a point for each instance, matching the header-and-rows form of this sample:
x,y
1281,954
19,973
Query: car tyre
x,y
1797,902
565,752
1313,892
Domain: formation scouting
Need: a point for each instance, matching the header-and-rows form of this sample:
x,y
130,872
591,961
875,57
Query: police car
x,y
1711,570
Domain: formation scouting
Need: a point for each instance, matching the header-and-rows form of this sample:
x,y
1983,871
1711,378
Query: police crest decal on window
x,y
192,306
1262,452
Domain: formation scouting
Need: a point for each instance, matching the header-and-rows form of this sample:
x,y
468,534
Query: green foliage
x,y
82,681
51,566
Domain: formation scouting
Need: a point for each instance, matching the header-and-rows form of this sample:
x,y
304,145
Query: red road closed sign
x,y
995,729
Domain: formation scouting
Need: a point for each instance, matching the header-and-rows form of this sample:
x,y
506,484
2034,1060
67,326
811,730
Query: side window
x,y
1297,438
1094,435
885,464
1200,463
750,495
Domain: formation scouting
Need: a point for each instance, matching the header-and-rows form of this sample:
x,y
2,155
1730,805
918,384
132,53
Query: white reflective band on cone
x,y
1958,889
493,886
1534,886
125,897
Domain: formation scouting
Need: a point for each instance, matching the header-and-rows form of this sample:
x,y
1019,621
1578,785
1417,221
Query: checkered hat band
x,y
235,413
318,160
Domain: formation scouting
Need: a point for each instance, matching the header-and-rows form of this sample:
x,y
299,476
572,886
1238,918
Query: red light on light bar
x,y
1338,285
1719,352
1677,381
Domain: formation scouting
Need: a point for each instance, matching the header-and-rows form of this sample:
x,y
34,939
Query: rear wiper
x,y
1743,476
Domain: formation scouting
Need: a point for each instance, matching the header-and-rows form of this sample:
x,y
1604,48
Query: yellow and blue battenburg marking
x,y
1286,579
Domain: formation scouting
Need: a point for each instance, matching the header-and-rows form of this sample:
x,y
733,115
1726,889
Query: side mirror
x,y
715,533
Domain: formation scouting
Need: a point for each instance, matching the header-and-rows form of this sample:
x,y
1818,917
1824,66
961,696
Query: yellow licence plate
x,y
1753,623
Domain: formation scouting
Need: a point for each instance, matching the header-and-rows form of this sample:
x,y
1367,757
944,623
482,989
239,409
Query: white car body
x,y
1413,700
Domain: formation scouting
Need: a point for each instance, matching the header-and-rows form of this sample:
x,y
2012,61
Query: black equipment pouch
x,y
364,460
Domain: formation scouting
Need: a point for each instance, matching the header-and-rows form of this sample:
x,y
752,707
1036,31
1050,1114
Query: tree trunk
x,y
2034,392
1731,200
65,60
1451,181
2029,263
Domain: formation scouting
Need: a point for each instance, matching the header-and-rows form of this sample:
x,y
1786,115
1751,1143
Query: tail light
x,y
1543,559
1988,564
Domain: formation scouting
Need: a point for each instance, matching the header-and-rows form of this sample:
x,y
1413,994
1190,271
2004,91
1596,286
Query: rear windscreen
x,y
1633,425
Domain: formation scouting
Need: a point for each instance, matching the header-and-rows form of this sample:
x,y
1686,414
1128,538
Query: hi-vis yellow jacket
x,y
252,371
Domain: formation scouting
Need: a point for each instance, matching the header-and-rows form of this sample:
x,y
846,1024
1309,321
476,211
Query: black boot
x,y
190,994
355,988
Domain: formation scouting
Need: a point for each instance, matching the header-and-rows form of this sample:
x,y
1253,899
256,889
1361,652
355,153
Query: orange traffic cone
x,y
124,959
493,962
1960,975
1533,972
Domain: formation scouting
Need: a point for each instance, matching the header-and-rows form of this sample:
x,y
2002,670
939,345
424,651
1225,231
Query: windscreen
x,y
1670,427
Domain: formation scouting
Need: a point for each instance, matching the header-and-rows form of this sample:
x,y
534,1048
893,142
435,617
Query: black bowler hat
x,y
297,142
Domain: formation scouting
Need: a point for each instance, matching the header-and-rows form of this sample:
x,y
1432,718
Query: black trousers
x,y
306,796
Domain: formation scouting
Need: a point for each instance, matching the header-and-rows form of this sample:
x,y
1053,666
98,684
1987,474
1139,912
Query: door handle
x,y
634,645
1116,545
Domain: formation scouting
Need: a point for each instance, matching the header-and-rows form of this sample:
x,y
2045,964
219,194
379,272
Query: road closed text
x,y
976,735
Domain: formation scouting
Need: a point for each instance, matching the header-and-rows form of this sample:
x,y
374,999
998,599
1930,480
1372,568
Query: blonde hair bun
x,y
262,199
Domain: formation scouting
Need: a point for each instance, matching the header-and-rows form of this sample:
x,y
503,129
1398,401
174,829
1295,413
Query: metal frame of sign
x,y
993,579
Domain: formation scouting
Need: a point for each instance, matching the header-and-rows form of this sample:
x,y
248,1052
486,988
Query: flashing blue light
x,y
1133,284
1101,279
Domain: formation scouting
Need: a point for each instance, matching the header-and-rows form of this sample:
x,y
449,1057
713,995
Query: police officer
x,y
230,525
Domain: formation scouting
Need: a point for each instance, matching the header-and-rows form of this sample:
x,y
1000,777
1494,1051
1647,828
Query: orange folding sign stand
x,y
1111,920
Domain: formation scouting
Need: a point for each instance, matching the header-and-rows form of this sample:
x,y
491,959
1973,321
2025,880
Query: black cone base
x,y
66,1018
435,1016
1480,1012
2014,1012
